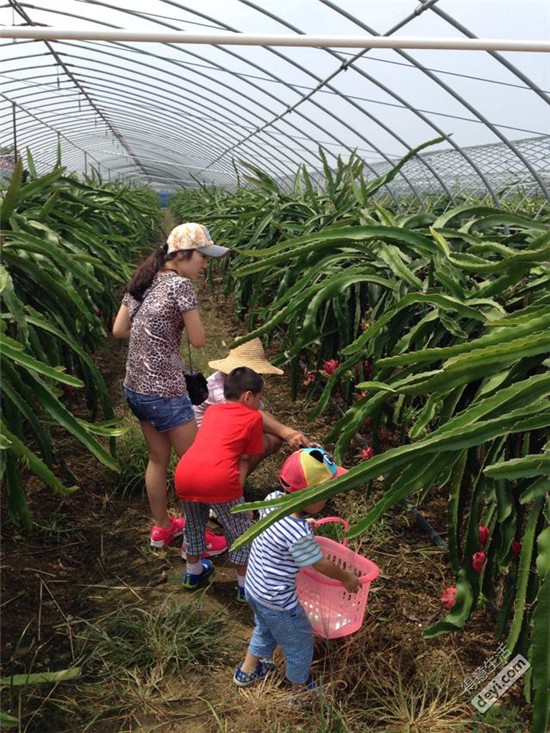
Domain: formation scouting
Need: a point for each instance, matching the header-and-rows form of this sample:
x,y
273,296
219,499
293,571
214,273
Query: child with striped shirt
x,y
275,559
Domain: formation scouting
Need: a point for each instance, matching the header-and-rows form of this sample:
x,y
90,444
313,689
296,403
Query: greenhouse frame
x,y
275,320
174,114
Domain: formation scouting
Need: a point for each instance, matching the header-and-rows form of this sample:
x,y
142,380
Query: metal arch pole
x,y
173,102
493,129
520,75
274,39
380,152
30,114
466,104
14,127
50,108
483,119
62,65
402,104
291,108
100,62
36,137
420,115
232,100
353,103
416,64
255,86
80,125
312,122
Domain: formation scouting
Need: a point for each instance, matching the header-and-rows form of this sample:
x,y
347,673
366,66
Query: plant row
x,y
434,326
67,246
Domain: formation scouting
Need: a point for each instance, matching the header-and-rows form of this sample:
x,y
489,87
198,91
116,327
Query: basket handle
x,y
325,520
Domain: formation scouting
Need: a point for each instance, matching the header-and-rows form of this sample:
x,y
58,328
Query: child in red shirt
x,y
211,473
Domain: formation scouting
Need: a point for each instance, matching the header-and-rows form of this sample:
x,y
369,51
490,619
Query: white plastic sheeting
x,y
175,114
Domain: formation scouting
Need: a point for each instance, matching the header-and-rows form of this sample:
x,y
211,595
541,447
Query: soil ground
x,y
87,562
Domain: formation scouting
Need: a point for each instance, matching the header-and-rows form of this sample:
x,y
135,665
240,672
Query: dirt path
x,y
85,578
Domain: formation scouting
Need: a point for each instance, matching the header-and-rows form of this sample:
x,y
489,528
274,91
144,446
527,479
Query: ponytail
x,y
144,273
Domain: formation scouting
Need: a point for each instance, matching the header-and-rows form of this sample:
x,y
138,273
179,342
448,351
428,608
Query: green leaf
x,y
540,657
40,678
11,197
36,465
540,487
13,351
8,721
525,467
63,417
524,569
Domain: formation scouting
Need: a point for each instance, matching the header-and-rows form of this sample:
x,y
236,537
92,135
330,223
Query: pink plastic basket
x,y
333,611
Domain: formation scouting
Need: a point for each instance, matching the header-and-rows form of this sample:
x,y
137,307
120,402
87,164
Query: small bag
x,y
197,387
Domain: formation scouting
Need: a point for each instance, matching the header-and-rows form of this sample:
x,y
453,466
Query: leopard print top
x,y
154,365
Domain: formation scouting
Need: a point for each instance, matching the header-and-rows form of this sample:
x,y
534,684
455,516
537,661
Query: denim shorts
x,y
164,413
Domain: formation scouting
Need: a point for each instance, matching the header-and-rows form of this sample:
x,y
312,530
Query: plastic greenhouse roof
x,y
174,114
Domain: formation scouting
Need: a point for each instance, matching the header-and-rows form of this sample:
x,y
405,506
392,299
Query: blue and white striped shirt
x,y
276,558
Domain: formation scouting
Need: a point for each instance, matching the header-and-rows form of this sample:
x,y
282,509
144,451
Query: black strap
x,y
189,351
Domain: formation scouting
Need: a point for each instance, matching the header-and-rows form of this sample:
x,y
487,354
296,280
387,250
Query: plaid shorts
x,y
234,525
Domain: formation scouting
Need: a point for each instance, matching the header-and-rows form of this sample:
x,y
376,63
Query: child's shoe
x,y
240,596
215,545
161,537
306,695
191,581
263,668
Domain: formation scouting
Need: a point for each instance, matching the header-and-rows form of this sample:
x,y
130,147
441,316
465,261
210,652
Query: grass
x,y
132,458
168,638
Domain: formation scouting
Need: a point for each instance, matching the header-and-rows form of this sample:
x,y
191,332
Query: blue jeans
x,y
291,630
164,413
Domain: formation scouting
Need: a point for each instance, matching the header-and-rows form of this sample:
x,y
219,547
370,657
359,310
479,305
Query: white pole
x,y
268,39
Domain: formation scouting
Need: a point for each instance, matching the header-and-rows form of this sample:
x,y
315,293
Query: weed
x,y
165,638
404,697
497,718
133,459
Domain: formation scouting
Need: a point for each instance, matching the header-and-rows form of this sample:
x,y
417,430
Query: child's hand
x,y
352,583
312,522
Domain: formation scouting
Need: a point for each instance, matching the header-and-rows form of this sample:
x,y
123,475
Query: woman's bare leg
x,y
159,448
182,437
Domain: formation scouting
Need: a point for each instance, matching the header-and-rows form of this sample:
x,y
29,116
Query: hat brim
x,y
260,367
213,250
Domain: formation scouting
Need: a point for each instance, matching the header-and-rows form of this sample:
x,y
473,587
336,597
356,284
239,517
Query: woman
x,y
159,303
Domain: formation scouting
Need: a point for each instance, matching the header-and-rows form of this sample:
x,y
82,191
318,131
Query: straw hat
x,y
249,355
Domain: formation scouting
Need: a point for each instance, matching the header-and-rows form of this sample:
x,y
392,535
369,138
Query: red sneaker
x,y
215,545
161,537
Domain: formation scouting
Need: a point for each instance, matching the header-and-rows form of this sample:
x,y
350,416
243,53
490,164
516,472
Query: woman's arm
x,y
294,438
122,324
194,328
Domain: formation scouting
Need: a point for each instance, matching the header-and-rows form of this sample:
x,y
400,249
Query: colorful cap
x,y
308,467
194,236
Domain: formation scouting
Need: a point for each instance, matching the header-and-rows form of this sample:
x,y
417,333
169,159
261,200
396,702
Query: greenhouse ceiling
x,y
173,114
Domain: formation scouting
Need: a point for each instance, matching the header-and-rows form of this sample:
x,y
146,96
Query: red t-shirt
x,y
209,470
